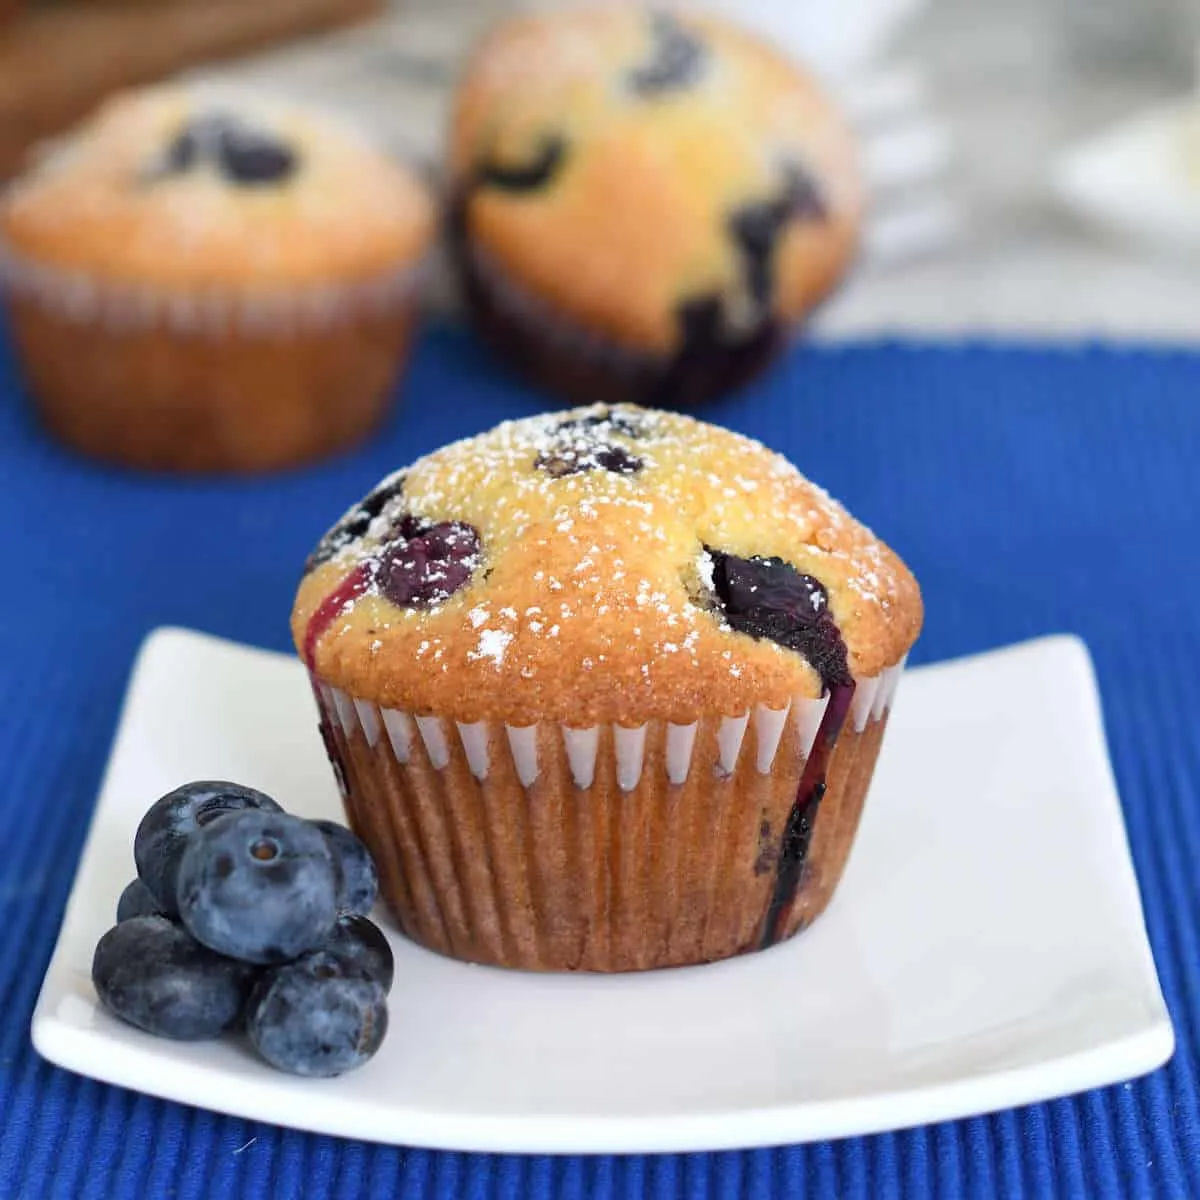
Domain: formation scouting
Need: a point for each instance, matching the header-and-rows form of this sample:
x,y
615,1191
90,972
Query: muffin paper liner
x,y
551,324
121,307
608,848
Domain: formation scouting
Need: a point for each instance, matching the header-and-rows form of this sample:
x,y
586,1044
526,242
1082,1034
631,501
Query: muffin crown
x,y
633,167
603,564
194,187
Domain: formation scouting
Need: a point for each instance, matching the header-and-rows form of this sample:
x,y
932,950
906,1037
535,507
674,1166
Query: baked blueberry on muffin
x,y
646,203
204,279
604,689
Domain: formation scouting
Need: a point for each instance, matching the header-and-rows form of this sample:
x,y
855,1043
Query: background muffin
x,y
645,202
604,689
204,279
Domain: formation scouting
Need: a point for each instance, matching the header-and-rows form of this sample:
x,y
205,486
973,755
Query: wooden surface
x,y
58,61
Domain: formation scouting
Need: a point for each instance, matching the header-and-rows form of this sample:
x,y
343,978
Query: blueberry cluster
x,y
245,918
245,156
585,444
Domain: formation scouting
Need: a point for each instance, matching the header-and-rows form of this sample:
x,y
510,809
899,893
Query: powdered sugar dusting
x,y
492,644
605,570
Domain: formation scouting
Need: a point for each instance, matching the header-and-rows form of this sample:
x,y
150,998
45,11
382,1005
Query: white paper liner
x,y
729,742
126,307
680,741
400,732
873,697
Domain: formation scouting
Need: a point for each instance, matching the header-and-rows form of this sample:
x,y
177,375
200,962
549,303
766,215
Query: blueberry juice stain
x,y
768,598
801,821
354,585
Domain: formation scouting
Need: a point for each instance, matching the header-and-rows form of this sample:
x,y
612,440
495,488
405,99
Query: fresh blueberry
x,y
427,562
362,943
150,973
164,832
358,881
137,901
259,886
768,598
318,1016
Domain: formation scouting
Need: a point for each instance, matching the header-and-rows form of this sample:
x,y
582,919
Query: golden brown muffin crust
x,y
590,600
101,204
635,218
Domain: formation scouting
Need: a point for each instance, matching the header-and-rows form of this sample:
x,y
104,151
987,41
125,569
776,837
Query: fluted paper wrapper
x,y
208,380
601,849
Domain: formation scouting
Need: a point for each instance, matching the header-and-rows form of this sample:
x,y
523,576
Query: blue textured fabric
x,y
1032,491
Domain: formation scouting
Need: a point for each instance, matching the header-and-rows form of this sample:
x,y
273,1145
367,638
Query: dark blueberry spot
x,y
251,159
792,858
702,323
804,198
531,176
358,881
377,499
768,853
164,832
255,906
573,458
354,524
757,228
182,154
244,155
768,598
427,562
150,973
677,59
318,1016
625,423
585,444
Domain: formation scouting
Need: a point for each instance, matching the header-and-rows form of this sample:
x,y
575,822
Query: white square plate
x,y
986,948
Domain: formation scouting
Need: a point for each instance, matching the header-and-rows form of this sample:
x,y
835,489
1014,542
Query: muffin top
x,y
202,186
645,172
603,564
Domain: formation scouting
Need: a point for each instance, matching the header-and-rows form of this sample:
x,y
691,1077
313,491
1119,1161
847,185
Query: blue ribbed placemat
x,y
1031,491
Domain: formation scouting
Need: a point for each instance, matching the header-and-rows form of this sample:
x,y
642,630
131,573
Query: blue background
x,y
1032,491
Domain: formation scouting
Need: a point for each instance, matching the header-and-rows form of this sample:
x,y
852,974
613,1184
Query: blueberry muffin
x,y
645,203
202,279
604,689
